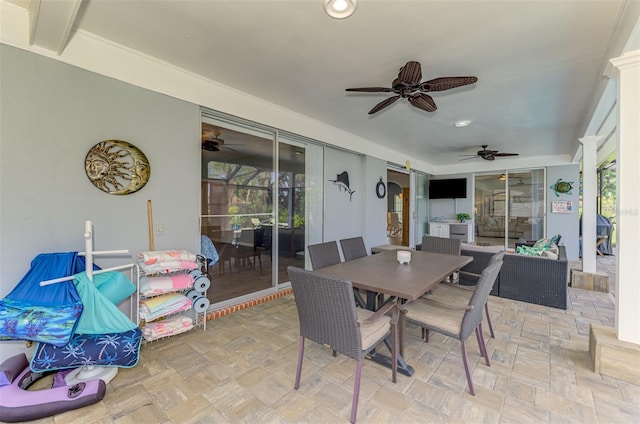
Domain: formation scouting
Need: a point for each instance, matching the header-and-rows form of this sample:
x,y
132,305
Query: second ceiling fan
x,y
407,85
488,154
211,140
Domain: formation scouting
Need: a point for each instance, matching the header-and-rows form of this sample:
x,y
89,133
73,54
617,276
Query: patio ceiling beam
x,y
51,23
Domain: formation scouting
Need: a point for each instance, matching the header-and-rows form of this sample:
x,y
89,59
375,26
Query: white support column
x,y
628,200
589,201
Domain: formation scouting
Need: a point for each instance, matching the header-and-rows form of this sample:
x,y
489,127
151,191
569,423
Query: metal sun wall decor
x,y
342,181
117,167
562,187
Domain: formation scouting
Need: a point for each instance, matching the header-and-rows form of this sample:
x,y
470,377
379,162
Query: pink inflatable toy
x,y
18,404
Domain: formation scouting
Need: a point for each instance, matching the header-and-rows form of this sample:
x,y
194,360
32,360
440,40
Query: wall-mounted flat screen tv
x,y
454,188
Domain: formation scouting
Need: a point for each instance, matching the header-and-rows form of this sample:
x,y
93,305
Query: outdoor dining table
x,y
383,274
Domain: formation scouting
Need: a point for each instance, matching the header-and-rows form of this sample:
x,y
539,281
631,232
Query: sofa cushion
x,y
475,248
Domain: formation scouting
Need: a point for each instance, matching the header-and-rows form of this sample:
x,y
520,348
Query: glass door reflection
x,y
237,208
509,207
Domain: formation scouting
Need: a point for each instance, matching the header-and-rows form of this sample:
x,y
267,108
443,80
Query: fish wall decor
x,y
342,181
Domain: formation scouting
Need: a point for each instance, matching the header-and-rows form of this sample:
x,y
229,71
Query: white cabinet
x,y
457,230
439,229
461,231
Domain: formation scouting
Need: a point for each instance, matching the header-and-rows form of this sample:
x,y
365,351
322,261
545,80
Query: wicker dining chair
x,y
324,254
448,246
456,320
353,248
459,293
328,315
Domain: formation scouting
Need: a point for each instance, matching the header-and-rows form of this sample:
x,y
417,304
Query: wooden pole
x,y
150,219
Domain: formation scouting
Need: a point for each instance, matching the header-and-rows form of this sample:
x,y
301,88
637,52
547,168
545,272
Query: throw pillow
x,y
543,243
553,252
530,251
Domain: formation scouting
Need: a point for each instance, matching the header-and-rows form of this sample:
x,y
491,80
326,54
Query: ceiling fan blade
x,y
472,157
506,154
423,101
371,89
446,83
229,148
410,74
383,104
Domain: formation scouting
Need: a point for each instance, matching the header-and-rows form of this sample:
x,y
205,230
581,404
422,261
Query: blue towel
x,y
100,315
208,250
46,314
104,335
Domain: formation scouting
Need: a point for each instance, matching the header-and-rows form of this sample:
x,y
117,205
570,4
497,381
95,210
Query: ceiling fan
x,y
488,154
408,85
212,142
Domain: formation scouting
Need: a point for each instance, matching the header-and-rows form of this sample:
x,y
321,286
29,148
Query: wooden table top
x,y
381,273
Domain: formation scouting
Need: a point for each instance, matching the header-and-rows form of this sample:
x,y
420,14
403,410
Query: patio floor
x,y
241,369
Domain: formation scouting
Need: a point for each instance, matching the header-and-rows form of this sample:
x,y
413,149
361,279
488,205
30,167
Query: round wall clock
x,y
117,167
381,189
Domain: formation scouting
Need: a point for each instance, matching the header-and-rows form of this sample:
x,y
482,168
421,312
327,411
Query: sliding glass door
x,y
261,204
422,207
237,209
291,208
509,207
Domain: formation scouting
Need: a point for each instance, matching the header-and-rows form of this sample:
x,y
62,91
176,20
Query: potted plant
x,y
462,217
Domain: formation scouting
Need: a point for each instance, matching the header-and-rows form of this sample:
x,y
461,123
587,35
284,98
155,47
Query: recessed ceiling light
x,y
462,123
340,9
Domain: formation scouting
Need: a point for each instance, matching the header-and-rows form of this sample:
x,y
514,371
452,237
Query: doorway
x,y
398,209
509,207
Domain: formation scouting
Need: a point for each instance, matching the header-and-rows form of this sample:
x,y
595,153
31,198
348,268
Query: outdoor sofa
x,y
531,279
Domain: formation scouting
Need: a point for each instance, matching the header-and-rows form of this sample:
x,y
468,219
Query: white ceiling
x,y
540,64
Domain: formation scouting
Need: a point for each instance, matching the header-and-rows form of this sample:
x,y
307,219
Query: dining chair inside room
x,y
460,293
328,316
456,320
394,226
324,254
353,248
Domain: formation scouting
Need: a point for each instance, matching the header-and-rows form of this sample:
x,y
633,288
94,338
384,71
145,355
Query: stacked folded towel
x,y
153,286
167,261
167,327
167,304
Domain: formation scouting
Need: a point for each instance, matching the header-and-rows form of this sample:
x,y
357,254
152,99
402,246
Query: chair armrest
x,y
384,310
458,286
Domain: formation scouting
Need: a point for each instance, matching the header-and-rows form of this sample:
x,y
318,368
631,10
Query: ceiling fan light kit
x,y
407,85
340,9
